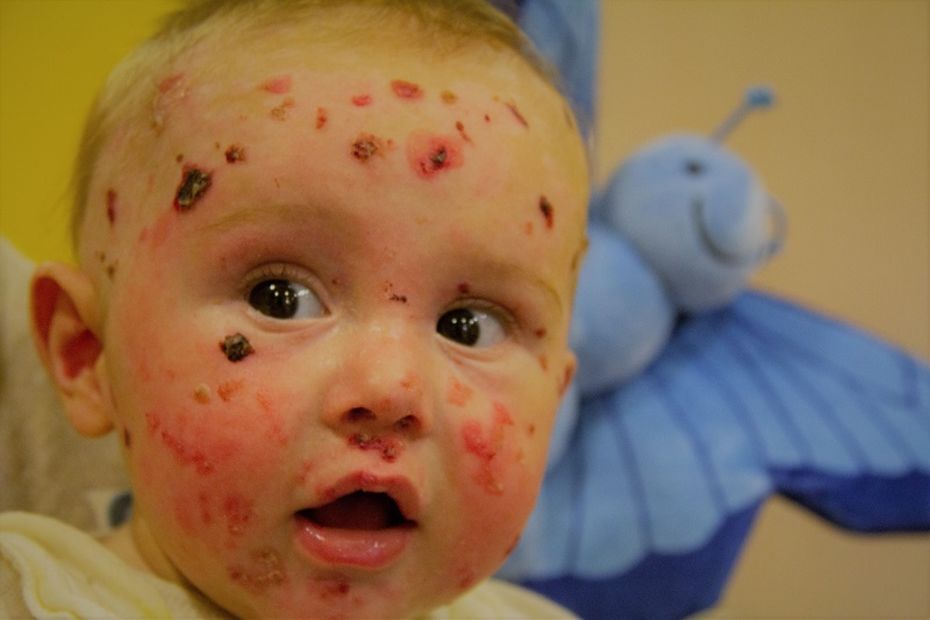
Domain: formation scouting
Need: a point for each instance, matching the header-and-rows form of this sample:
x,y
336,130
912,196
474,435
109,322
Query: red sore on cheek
x,y
430,154
458,393
265,570
487,448
238,513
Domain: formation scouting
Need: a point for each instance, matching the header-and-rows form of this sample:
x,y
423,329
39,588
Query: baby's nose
x,y
382,386
387,416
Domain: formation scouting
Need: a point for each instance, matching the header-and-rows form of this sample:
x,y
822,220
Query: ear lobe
x,y
65,329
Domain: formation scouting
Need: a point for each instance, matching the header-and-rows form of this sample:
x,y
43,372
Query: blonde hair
x,y
444,25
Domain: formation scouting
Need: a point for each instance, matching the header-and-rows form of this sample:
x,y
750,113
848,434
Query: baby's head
x,y
327,258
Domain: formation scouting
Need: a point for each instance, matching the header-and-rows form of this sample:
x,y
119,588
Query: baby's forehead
x,y
229,120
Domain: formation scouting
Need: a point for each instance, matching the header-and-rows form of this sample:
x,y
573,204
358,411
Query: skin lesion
x,y
548,213
195,183
366,146
429,154
236,347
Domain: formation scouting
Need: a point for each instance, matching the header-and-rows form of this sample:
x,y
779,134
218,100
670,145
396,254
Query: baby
x,y
327,257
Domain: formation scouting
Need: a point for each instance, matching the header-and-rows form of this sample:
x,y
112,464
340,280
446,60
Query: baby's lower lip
x,y
368,549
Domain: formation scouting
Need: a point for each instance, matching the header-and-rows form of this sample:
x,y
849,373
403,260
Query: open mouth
x,y
359,510
362,521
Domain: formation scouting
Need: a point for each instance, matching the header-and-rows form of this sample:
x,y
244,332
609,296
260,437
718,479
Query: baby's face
x,y
336,325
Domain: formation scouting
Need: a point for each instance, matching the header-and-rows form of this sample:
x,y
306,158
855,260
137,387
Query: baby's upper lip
x,y
399,488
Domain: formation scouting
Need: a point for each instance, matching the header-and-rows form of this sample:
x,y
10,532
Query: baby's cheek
x,y
501,468
205,452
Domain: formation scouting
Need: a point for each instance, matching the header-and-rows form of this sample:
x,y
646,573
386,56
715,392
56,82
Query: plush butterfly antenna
x,y
756,97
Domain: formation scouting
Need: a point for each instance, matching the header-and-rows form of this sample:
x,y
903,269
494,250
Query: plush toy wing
x,y
648,508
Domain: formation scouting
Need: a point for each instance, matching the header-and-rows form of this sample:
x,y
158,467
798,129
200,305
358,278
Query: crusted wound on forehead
x,y
130,96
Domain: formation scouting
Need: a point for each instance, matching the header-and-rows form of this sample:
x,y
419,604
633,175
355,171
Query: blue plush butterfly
x,y
695,401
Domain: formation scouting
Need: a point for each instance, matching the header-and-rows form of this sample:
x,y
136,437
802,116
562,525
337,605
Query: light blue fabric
x,y
566,33
670,439
659,464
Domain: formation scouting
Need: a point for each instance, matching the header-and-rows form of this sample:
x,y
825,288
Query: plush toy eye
x,y
694,167
471,327
284,299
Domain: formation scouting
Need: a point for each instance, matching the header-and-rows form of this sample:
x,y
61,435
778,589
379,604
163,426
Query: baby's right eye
x,y
284,299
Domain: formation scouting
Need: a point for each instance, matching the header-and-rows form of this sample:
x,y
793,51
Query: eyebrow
x,y
505,270
509,271
262,215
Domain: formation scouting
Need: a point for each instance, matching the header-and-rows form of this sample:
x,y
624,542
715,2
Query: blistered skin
x,y
261,473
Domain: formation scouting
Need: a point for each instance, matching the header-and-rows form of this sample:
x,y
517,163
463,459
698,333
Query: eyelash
x,y
279,271
284,271
501,313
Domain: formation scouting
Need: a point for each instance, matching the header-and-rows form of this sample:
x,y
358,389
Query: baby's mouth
x,y
360,510
366,528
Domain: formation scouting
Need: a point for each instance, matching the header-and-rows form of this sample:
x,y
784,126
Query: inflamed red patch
x,y
406,90
278,85
361,100
430,154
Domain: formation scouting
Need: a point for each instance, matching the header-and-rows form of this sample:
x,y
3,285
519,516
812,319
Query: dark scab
x,y
365,147
194,184
127,438
438,158
464,288
235,153
236,347
401,298
545,207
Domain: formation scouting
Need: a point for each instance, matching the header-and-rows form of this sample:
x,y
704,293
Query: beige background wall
x,y
845,150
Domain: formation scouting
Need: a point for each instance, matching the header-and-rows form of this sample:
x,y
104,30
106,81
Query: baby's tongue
x,y
358,511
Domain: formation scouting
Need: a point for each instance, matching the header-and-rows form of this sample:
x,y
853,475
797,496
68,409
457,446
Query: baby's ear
x,y
66,330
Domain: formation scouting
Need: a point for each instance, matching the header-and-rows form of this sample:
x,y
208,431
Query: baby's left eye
x,y
471,327
284,299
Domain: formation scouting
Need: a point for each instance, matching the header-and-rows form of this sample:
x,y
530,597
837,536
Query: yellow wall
x,y
54,55
846,152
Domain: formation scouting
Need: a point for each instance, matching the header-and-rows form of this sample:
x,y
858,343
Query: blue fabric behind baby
x,y
695,401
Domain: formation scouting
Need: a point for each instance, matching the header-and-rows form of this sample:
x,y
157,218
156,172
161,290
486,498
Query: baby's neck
x,y
131,543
